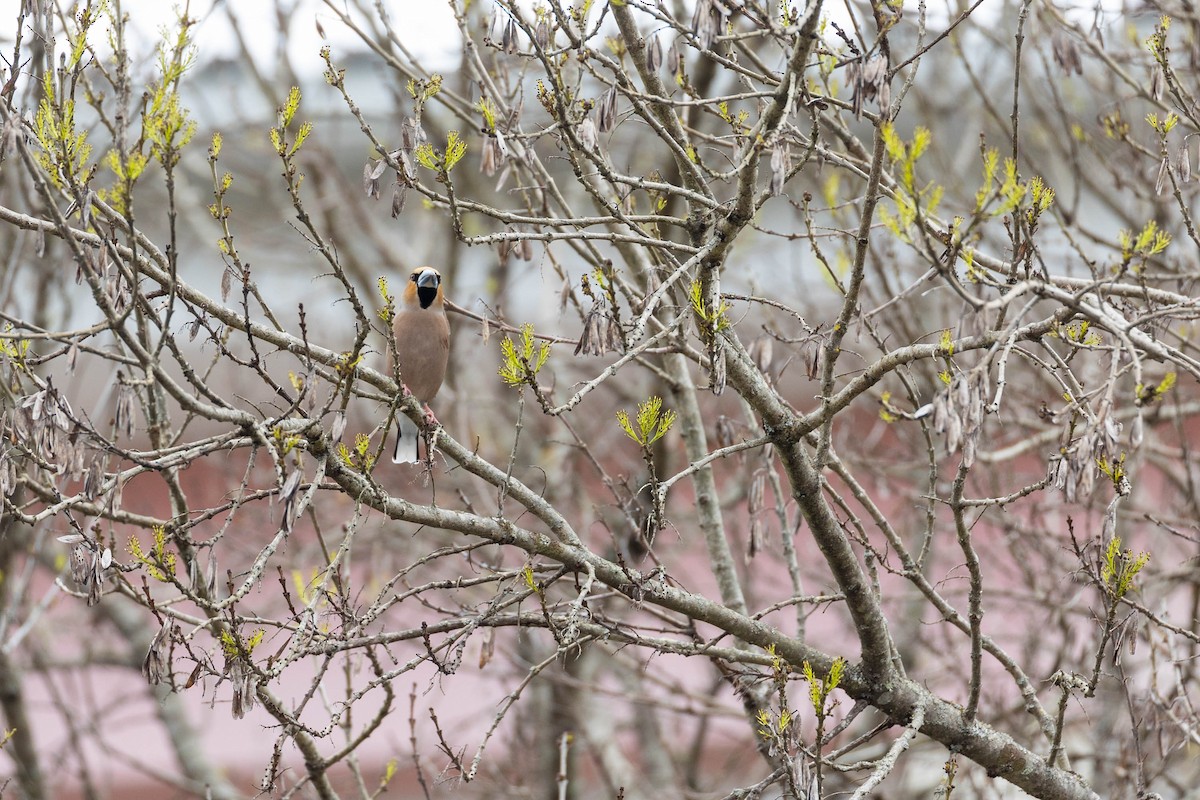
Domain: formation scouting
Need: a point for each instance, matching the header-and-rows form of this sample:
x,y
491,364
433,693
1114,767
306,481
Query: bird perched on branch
x,y
422,350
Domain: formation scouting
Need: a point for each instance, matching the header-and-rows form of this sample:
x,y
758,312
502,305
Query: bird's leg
x,y
429,433
405,391
430,419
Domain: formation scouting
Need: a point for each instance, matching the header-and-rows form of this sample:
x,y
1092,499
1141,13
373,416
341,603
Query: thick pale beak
x,y
428,279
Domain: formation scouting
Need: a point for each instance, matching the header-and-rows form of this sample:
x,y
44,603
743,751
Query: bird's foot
x,y
430,419
405,391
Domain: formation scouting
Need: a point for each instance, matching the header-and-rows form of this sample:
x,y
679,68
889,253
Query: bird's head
x,y
424,289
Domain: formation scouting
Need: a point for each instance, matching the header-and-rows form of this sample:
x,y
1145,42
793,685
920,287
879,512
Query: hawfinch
x,y
422,350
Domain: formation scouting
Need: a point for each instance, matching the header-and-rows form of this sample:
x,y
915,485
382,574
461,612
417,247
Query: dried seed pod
x,y
654,53
489,156
1071,484
372,171
93,479
1056,472
508,42
1065,52
781,164
606,110
961,392
243,682
89,565
411,134
601,334
501,144
118,293
974,407
810,355
970,441
707,23
1084,450
49,423
488,649
758,533
154,665
589,337
760,352
725,431
1109,527
115,496
406,171
85,208
1087,479
399,198
226,282
84,266
1112,432
954,432
587,134
755,504
941,412
289,499
337,426
868,81
123,414
755,499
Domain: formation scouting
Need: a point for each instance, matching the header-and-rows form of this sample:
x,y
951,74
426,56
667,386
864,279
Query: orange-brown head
x,y
424,290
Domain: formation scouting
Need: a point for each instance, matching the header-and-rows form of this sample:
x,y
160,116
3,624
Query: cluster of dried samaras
x,y
958,413
1088,442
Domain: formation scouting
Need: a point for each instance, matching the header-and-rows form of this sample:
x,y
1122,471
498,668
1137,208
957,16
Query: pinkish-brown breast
x,y
423,347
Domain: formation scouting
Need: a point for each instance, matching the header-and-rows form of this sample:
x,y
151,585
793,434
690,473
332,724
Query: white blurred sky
x,y
426,26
